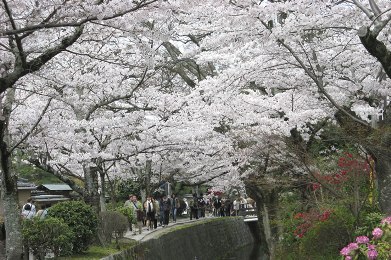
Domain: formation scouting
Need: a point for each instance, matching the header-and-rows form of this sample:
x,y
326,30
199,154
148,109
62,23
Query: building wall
x,y
23,195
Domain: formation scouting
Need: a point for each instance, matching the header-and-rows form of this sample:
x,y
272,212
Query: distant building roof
x,y
48,198
24,185
54,187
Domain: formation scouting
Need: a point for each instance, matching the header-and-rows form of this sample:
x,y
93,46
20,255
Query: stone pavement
x,y
146,235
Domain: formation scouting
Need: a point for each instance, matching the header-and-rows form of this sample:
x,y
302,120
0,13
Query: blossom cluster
x,y
378,247
308,219
349,168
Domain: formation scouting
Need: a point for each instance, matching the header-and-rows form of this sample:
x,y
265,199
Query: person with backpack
x,y
28,209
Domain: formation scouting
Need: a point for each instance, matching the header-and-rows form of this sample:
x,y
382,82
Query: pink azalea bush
x,y
378,247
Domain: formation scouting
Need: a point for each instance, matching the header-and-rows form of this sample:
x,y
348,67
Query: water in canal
x,y
250,252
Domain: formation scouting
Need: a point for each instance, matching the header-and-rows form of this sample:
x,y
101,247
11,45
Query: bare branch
x,y
58,174
35,64
319,83
107,102
75,23
366,11
374,7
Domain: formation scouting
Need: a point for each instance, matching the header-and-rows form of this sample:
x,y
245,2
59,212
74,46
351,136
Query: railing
x,y
248,213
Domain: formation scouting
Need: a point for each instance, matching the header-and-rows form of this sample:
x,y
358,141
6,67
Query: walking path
x,y
146,235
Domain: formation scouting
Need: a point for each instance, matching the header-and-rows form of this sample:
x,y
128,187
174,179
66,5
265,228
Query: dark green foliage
x,y
50,234
35,175
325,239
369,221
128,212
81,218
127,187
113,224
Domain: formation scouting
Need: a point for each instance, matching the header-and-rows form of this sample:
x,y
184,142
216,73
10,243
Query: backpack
x,y
27,206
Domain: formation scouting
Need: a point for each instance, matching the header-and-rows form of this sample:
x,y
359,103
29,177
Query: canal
x,y
250,252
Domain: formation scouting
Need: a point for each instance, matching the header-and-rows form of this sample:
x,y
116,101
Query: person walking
x,y
174,207
137,214
166,206
194,209
149,209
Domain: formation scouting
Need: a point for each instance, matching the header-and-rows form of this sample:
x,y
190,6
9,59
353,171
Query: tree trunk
x,y
9,195
92,196
14,241
267,205
9,189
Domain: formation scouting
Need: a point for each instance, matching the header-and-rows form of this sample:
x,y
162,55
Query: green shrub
x,y
112,224
50,234
128,212
81,218
368,222
325,239
322,237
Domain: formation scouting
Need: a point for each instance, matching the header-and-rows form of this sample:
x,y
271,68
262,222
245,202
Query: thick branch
x,y
58,174
40,26
320,85
376,48
112,100
10,79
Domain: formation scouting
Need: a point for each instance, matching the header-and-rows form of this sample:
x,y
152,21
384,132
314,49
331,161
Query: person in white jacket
x,y
28,209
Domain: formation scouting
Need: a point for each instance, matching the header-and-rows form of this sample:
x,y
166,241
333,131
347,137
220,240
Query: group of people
x,y
218,206
152,211
29,210
160,210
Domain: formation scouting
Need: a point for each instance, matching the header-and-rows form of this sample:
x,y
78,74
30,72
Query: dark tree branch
x,y
34,65
41,25
58,174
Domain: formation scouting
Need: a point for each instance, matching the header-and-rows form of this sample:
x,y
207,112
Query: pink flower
x,y
362,240
372,254
371,247
353,246
387,220
348,257
377,233
345,251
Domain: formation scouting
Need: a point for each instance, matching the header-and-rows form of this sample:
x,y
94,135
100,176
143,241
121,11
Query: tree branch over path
x,y
59,174
79,23
117,98
34,65
321,86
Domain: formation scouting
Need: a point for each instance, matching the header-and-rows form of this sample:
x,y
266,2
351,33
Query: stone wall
x,y
210,239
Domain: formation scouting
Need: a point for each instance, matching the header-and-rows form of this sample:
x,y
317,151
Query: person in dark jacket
x,y
166,206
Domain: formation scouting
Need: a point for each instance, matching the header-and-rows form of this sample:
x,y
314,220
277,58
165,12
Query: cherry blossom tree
x,y
32,34
288,65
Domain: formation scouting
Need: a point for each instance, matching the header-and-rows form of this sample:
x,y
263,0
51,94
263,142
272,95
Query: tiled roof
x,y
54,187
